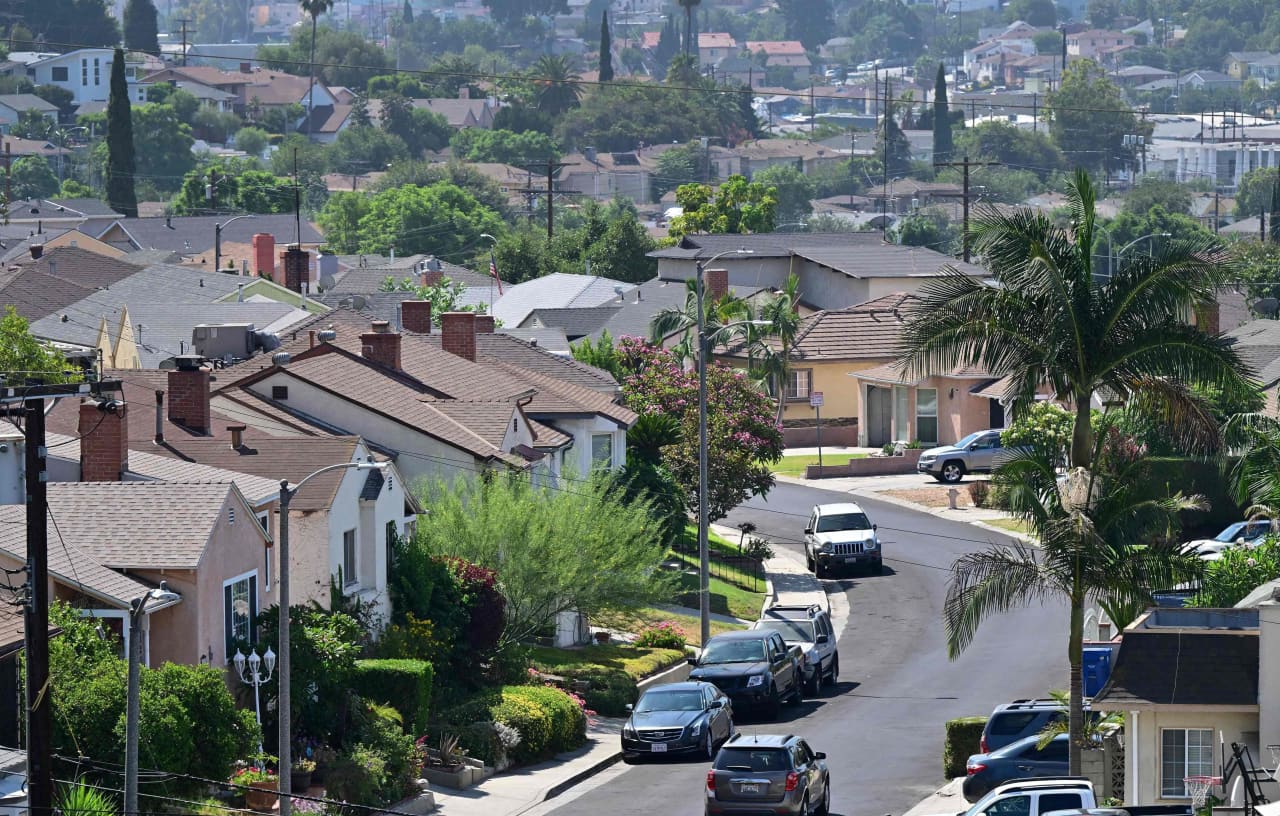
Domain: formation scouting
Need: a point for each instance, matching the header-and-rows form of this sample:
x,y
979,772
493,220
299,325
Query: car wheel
x,y
804,805
952,472
825,806
774,705
877,568
834,675
709,749
812,686
810,564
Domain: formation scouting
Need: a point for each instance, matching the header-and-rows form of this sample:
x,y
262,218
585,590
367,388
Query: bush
x,y
568,720
382,763
664,635
979,493
404,684
546,721
963,738
1240,571
1044,426
1168,475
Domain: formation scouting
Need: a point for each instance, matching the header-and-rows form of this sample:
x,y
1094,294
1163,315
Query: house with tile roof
x,y
605,176
713,46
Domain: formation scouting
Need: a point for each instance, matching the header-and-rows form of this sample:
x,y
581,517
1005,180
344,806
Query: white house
x,y
86,73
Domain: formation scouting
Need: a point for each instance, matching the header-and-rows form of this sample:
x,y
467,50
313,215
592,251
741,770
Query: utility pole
x,y
184,22
1215,211
551,167
965,195
884,198
8,188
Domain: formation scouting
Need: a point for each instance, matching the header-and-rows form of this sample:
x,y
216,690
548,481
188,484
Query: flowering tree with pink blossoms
x,y
743,436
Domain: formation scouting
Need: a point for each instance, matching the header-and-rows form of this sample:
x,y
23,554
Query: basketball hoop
x,y
1198,789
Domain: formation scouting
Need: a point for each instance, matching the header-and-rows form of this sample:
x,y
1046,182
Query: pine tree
x,y
606,50
892,145
141,32
668,43
407,17
120,159
943,145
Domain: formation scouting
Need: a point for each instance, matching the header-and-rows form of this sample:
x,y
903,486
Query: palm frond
x,y
987,582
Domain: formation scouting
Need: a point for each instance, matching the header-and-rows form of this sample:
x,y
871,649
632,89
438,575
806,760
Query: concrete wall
x,y
1142,738
870,466
1269,674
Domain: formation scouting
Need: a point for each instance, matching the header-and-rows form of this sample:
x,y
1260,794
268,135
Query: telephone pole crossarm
x,y
965,195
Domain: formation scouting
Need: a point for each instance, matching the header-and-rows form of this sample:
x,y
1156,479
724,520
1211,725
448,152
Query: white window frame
x,y
1199,769
251,577
350,560
794,392
265,520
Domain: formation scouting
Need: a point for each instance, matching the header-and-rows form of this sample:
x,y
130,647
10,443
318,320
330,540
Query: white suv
x,y
841,535
809,627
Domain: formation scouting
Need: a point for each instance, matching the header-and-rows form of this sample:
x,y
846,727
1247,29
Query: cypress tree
x,y
407,17
606,50
943,145
141,32
1275,207
120,159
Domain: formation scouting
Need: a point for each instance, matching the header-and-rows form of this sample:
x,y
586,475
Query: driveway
x,y
882,728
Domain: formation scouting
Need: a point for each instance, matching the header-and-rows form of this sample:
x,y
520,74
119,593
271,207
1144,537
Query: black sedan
x,y
1017,760
678,718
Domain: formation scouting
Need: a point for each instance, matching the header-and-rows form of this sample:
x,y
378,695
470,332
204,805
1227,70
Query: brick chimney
x,y
104,442
715,283
415,316
189,394
264,254
458,330
430,277
381,345
297,268
485,324
1209,318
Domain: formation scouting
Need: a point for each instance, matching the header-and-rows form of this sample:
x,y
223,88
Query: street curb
x,y
658,679
578,778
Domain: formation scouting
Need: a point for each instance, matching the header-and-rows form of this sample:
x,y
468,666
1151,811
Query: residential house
x,y
751,157
462,112
555,291
605,176
741,69
1190,682
714,46
85,72
1266,70
575,322
907,195
631,313
1132,76
795,68
1258,344
1237,63
229,82
1202,80
1099,45
12,106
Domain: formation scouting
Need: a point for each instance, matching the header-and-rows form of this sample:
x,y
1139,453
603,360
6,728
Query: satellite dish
x,y
1267,307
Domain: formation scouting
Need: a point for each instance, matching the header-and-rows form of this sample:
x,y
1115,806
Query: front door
x,y
995,417
879,416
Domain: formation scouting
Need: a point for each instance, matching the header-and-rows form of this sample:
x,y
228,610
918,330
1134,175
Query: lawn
x,y
726,598
636,620
715,542
795,465
1013,525
638,663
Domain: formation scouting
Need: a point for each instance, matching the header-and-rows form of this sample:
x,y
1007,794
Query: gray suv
x,y
809,627
765,773
979,452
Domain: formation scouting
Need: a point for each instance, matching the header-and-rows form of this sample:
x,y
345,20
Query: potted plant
x,y
300,777
445,764
260,785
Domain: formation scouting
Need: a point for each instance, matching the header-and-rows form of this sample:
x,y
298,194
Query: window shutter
x,y
227,628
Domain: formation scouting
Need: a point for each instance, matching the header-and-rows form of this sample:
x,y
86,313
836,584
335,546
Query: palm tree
x,y
1099,538
557,81
719,314
689,6
1047,318
781,311
314,8
1254,476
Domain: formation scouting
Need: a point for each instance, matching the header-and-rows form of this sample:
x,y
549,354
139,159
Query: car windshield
x,y
973,437
1231,533
758,760
843,521
1243,529
792,631
734,651
690,700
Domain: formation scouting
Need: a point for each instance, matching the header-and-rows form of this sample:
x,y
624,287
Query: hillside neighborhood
x,y
513,407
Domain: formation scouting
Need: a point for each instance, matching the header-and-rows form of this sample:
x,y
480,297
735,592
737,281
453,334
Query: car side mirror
x,y
630,707
808,531
1241,540
875,527
819,755
716,704
820,639
693,661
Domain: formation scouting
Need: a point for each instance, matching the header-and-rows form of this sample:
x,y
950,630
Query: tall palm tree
x,y
1047,318
689,5
557,80
1254,475
314,8
781,311
1100,537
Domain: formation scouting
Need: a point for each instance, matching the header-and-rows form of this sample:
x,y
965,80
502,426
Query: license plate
x,y
851,559
750,789
659,748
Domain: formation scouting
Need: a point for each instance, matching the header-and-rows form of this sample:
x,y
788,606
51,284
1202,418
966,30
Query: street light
x,y
255,677
286,714
704,556
217,240
1113,256
137,607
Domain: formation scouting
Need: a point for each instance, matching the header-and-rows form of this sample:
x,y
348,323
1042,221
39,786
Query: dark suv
x,y
766,773
1021,718
756,669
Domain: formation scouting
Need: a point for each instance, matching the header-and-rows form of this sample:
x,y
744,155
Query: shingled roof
x,y
868,331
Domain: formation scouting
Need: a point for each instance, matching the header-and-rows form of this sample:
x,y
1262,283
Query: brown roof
x,y
39,288
892,373
774,47
868,331
276,88
203,74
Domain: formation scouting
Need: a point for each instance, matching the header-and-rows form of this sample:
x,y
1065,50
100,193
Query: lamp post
x,y
285,713
255,677
1120,254
704,556
217,240
137,607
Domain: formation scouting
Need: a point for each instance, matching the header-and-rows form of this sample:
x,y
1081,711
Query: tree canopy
x,y
737,206
1090,117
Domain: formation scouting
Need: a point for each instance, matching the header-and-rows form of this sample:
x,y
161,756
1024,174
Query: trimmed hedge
x,y
548,720
963,738
403,684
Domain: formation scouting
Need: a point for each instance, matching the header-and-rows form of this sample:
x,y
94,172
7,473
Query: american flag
x,y
493,271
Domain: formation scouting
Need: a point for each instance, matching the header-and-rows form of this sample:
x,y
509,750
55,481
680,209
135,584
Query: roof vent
x,y
326,335
281,358
188,362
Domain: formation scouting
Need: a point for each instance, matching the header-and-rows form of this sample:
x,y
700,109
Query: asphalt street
x,y
882,726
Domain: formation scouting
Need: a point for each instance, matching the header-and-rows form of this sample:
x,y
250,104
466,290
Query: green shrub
x,y
404,684
609,692
980,493
568,721
663,635
963,738
531,720
1169,475
546,721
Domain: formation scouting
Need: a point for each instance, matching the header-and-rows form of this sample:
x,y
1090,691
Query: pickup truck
x,y
755,668
1055,795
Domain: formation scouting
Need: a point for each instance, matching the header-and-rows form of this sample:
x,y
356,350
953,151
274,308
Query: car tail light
x,y
974,768
982,745
711,780
793,780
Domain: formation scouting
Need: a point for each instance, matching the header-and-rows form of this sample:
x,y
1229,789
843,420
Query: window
x,y
239,608
265,521
1184,752
350,574
59,73
927,414
1011,806
393,532
97,71
799,381
601,450
84,72
1058,801
279,392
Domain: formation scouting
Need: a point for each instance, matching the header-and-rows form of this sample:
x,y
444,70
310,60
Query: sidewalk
x,y
947,799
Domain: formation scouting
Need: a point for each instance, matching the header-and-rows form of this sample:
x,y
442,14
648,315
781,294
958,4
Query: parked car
x,y
771,774
1017,760
1060,796
1019,719
841,535
1242,533
755,668
979,452
690,717
809,627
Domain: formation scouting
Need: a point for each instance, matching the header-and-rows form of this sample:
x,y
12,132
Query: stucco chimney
x,y
458,334
381,345
237,436
104,441
264,255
